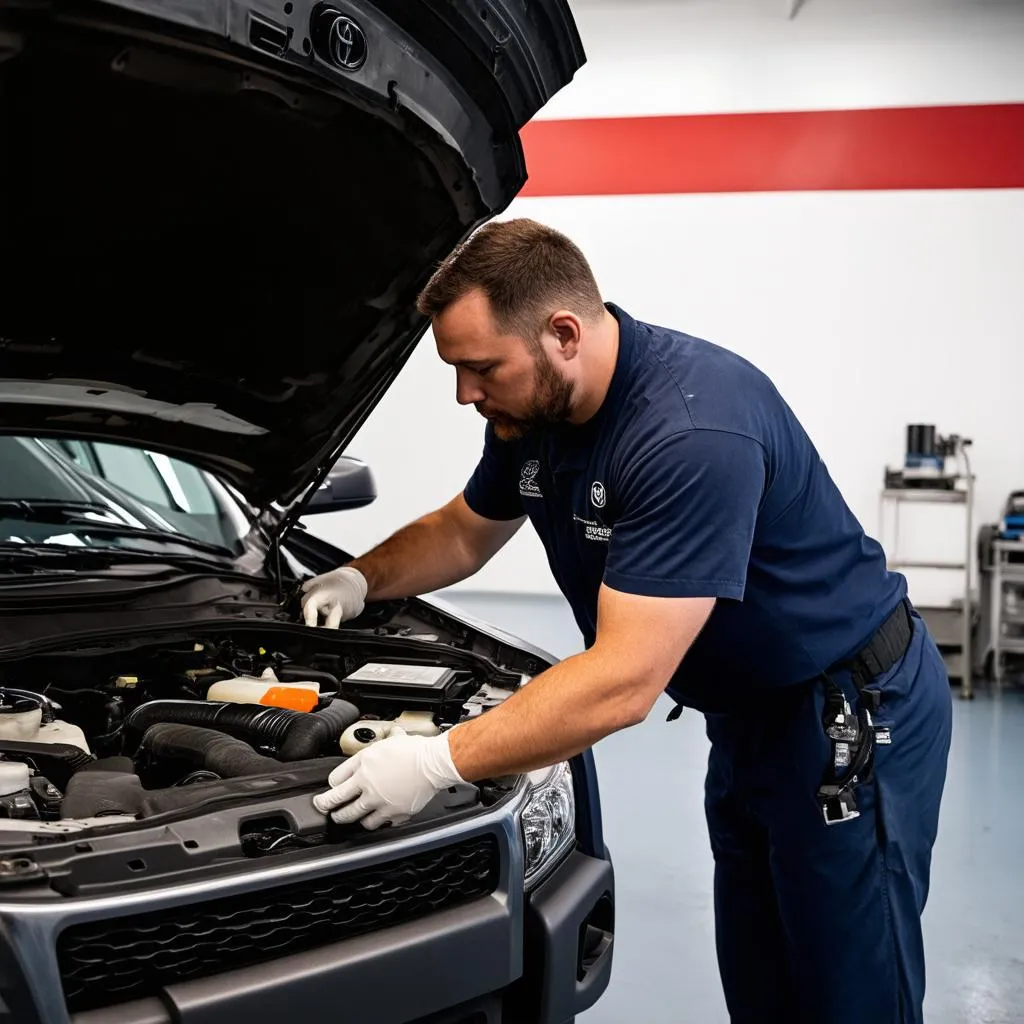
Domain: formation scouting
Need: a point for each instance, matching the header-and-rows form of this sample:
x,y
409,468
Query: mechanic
x,y
705,550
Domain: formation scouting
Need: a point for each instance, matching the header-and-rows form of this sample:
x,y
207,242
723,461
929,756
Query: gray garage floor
x,y
651,786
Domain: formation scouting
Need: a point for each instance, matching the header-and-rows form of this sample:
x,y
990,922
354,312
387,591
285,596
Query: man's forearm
x,y
555,716
558,714
421,557
435,551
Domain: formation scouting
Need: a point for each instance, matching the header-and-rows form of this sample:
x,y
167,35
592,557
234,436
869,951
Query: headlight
x,y
548,822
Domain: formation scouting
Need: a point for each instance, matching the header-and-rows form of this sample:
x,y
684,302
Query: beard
x,y
551,403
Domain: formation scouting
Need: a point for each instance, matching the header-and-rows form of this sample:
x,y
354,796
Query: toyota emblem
x,y
347,44
338,39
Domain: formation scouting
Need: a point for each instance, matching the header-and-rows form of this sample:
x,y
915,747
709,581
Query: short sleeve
x,y
686,513
493,489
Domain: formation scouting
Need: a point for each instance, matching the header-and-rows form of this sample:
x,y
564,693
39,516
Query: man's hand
x,y
435,551
338,595
390,781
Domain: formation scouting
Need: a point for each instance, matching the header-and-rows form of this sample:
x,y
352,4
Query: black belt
x,y
885,648
854,735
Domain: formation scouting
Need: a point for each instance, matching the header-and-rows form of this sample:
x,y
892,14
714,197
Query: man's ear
x,y
567,328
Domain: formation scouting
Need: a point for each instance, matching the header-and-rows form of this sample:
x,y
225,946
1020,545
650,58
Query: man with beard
x,y
705,551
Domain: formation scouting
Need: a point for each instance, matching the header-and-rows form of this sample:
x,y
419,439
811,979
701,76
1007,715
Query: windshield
x,y
94,494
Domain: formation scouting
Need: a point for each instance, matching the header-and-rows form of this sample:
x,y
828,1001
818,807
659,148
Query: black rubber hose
x,y
255,723
299,674
314,732
58,762
111,764
225,755
296,735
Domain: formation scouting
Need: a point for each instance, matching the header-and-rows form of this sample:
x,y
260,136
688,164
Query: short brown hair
x,y
527,271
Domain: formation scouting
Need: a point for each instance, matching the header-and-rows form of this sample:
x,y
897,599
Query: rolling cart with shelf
x,y
1005,575
952,625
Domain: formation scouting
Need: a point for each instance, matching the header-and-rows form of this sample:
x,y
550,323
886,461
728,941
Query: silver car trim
x,y
444,605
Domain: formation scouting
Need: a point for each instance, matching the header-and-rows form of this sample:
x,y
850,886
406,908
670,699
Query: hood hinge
x,y
275,566
268,524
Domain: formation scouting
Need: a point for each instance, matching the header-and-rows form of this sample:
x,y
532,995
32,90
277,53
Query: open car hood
x,y
217,214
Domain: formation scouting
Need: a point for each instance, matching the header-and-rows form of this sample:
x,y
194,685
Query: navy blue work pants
x,y
816,923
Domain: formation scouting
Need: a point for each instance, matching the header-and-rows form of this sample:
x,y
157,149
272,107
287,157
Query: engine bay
x,y
132,730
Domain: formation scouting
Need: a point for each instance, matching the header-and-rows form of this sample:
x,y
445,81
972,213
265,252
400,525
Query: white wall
x,y
869,310
728,56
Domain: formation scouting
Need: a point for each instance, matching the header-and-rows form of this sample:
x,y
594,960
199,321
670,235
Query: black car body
x,y
217,216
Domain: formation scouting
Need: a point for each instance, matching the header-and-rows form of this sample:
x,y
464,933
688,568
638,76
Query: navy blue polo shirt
x,y
695,479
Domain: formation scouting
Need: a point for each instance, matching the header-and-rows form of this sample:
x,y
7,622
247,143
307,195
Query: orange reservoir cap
x,y
297,698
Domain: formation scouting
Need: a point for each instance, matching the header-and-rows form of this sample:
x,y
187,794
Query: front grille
x,y
109,961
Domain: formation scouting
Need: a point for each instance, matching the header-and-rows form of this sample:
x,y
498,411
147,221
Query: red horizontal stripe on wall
x,y
961,147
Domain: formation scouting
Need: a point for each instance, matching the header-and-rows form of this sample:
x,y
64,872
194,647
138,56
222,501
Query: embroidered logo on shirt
x,y
598,494
594,531
528,486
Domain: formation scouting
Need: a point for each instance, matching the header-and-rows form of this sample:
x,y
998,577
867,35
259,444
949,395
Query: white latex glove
x,y
337,595
389,781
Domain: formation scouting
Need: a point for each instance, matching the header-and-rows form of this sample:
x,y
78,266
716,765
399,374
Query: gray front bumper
x,y
505,957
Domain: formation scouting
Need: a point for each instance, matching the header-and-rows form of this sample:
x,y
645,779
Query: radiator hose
x,y
226,756
295,735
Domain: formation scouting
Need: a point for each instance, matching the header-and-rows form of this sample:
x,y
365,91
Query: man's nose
x,y
467,391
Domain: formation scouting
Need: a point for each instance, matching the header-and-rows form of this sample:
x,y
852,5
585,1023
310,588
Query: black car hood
x,y
213,239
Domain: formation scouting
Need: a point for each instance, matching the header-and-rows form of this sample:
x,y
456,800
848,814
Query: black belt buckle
x,y
872,699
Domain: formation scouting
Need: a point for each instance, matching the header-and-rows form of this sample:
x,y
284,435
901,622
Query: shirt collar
x,y
574,442
624,362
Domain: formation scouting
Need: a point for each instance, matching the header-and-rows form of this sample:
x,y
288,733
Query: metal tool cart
x,y
927,476
1001,568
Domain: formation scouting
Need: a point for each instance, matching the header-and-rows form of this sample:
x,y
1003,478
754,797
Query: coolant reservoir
x,y
62,732
20,720
361,734
266,690
25,725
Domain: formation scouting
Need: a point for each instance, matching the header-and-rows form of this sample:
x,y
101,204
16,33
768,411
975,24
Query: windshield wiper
x,y
52,510
82,513
60,561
